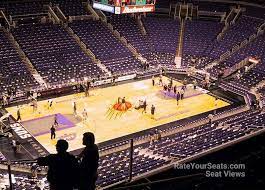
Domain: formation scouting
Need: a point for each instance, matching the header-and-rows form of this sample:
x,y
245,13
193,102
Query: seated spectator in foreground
x,y
89,163
63,167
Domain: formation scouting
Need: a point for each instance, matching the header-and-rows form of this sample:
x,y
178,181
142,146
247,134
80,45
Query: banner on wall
x,y
104,1
117,10
140,2
103,7
137,9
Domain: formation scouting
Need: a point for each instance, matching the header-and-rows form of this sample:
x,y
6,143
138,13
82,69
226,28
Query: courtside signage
x,y
29,142
20,131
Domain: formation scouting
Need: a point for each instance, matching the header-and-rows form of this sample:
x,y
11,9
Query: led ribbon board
x,y
103,7
125,6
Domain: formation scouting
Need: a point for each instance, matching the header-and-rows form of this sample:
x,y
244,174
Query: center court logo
x,y
68,137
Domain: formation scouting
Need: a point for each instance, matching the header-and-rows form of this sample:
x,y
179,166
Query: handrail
x,y
234,2
53,14
30,15
61,14
26,161
160,181
7,21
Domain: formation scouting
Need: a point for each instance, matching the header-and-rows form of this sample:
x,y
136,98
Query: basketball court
x,y
107,122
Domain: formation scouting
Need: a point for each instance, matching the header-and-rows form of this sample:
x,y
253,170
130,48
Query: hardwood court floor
x,y
107,124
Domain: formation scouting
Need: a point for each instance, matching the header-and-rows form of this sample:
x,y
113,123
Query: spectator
x,y
40,185
210,117
5,102
14,146
62,167
194,84
151,138
89,162
18,145
159,135
34,171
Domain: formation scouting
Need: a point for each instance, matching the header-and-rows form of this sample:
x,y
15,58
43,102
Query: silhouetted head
x,y
88,139
61,146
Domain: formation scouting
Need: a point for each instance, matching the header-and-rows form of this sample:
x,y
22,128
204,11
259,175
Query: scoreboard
x,y
125,6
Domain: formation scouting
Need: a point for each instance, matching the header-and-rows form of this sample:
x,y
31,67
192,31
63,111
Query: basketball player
x,y
50,102
171,82
183,88
178,97
181,94
123,103
74,109
55,123
85,115
35,105
153,80
160,80
18,114
216,102
123,100
86,91
119,100
169,89
144,106
175,90
152,111
165,90
88,84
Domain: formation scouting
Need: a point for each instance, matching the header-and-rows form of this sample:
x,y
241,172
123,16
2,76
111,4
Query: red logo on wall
x,y
137,9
